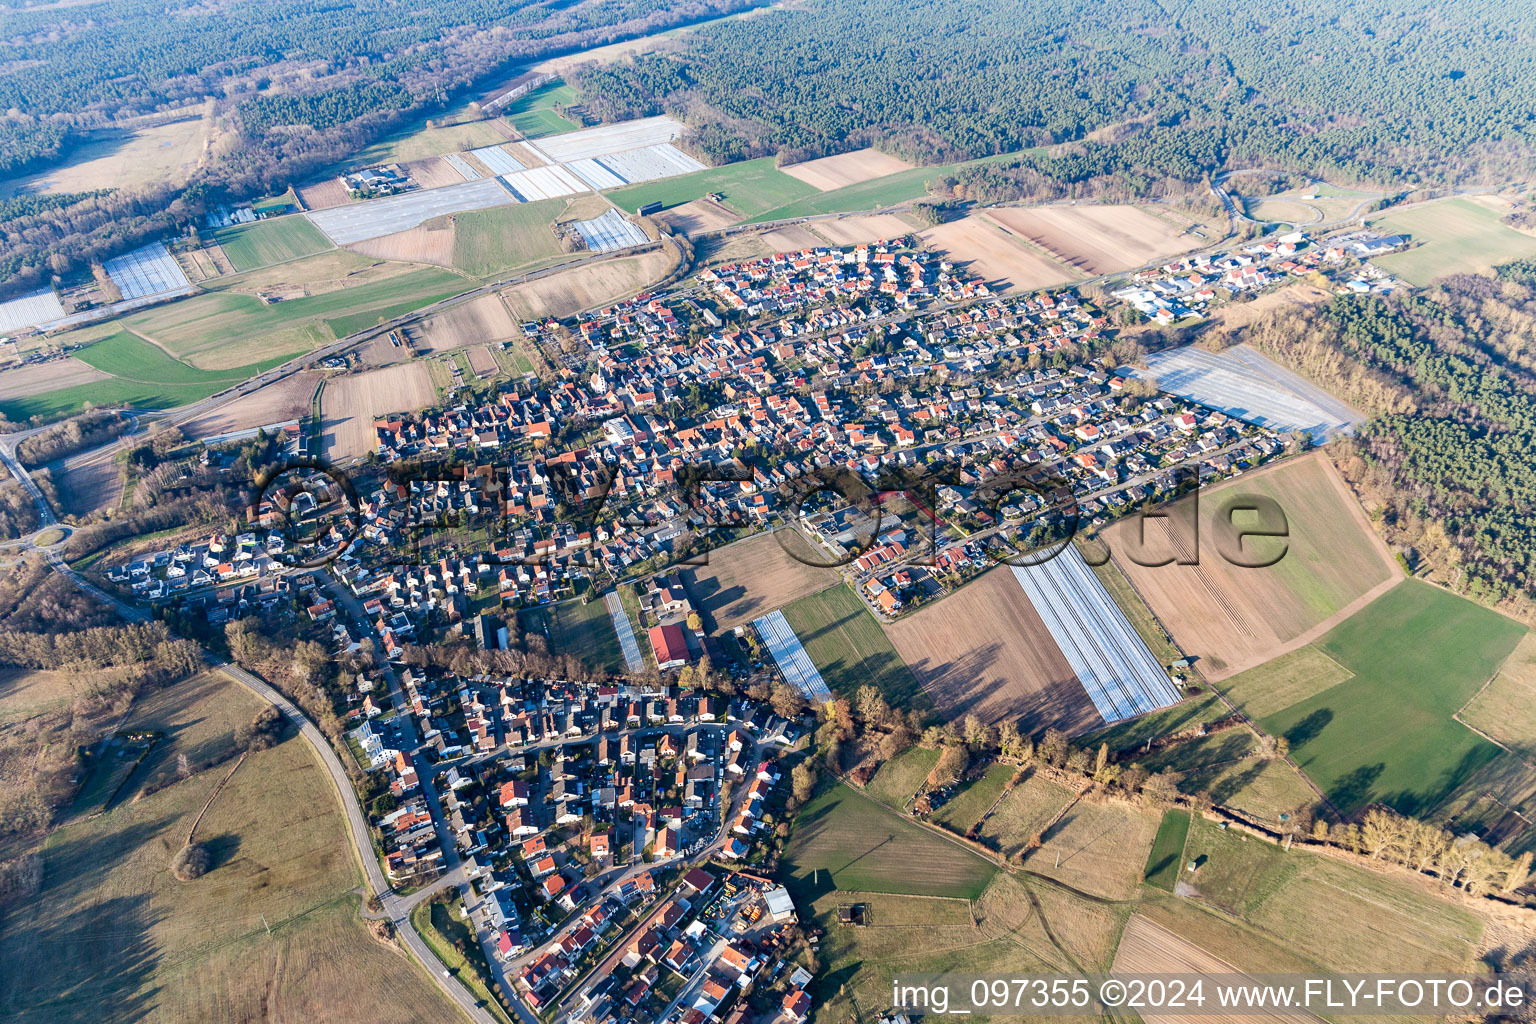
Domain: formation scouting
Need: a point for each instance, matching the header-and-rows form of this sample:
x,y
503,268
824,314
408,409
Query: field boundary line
x,y
214,796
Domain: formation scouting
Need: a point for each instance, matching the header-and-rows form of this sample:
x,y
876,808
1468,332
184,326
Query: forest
x,y
294,88
1127,95
1449,376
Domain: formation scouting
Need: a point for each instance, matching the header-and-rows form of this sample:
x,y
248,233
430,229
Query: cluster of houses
x,y
1187,287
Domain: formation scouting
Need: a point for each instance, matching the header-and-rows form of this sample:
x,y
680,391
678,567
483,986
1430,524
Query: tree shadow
x,y
1308,729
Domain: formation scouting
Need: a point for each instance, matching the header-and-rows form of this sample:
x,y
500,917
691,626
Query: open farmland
x,y
351,403
278,402
874,227
1099,848
265,242
431,242
1231,617
589,285
1505,709
997,256
433,172
751,577
1166,861
1235,316
29,379
1098,239
984,651
324,194
419,142
608,138
533,114
697,217
477,322
1242,382
844,840
1023,813
834,172
1457,236
320,299
128,943
1283,681
504,238
1419,755
1376,921
750,188
847,647
1149,948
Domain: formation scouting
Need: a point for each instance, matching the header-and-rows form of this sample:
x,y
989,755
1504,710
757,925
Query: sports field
x,y
582,630
1387,734
750,188
534,114
848,648
265,242
1458,236
843,840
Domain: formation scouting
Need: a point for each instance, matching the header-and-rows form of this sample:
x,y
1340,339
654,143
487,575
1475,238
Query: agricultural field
x,y
589,285
848,648
155,155
488,243
1289,679
1505,709
433,172
534,114
984,650
1166,861
430,242
1023,813
476,322
1241,617
697,217
1419,755
1099,239
351,403
127,942
752,577
418,142
890,190
265,242
29,379
1456,236
834,172
582,630
278,402
28,693
1149,948
750,188
321,298
1098,848
843,840
1375,921
899,779
998,256
965,808
873,227
135,373
374,218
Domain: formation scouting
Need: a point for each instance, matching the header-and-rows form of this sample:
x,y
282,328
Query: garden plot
x,y
498,160
1240,382
543,183
461,165
791,658
379,217
610,231
608,138
147,271
29,310
1123,678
